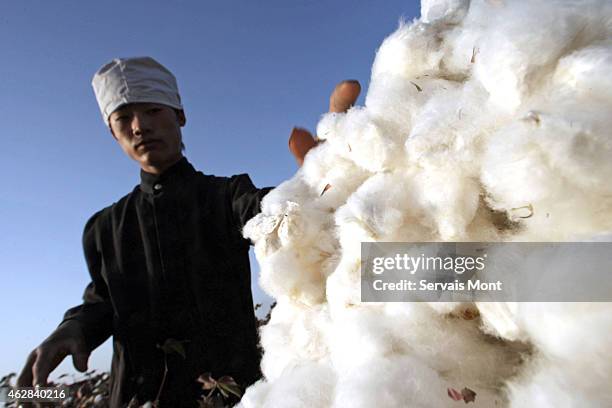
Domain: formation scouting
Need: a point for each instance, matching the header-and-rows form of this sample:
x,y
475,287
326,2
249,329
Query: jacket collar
x,y
180,170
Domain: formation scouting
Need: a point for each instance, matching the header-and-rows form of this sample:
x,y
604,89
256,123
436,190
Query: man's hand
x,y
65,340
342,98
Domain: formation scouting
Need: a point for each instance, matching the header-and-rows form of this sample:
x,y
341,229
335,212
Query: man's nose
x,y
140,124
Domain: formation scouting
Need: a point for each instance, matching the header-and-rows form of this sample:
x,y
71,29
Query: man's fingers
x,y
80,361
46,362
344,95
80,354
41,370
342,98
300,142
25,378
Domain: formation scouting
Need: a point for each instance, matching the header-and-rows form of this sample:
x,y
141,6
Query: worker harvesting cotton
x,y
168,263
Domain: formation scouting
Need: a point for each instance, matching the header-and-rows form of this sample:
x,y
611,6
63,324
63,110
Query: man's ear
x,y
180,115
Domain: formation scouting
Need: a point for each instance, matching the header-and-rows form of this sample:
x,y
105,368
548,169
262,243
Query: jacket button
x,y
157,187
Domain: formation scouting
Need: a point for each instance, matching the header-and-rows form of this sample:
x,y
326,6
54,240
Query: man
x,y
167,261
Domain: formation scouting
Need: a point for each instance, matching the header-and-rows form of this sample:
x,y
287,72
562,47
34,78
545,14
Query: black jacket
x,y
168,261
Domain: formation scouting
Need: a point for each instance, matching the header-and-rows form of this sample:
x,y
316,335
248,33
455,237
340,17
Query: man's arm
x,y
95,314
84,327
245,198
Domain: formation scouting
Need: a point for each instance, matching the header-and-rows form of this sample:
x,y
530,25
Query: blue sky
x,y
248,71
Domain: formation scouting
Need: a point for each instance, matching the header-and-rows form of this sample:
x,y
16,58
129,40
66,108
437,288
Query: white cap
x,y
130,80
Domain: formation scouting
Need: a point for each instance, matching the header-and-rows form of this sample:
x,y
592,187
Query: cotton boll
x,y
295,334
398,382
453,128
441,345
448,10
394,98
293,190
255,395
380,205
325,156
552,386
289,228
285,273
294,243
307,386
452,344
301,224
541,157
515,170
329,129
386,207
569,367
351,232
391,382
512,60
263,228
331,177
275,338
446,344
452,198
408,52
366,140
292,228
310,385
558,331
292,239
359,334
343,286
577,142
489,225
340,182
500,319
461,43
587,72
436,126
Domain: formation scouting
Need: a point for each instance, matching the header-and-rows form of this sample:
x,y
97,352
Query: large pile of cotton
x,y
488,120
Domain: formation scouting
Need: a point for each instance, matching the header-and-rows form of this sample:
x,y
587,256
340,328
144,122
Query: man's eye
x,y
121,118
154,110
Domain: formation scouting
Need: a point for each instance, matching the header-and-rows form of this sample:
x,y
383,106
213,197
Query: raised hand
x,y
344,96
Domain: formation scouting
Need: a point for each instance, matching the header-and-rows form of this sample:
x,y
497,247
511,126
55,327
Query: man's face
x,y
149,133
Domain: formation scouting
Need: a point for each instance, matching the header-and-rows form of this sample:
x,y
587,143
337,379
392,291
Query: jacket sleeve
x,y
95,314
245,198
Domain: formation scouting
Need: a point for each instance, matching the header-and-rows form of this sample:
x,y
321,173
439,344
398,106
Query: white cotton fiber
x,y
289,390
485,120
445,10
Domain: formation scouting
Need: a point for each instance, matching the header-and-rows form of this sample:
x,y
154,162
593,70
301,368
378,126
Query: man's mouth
x,y
146,144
